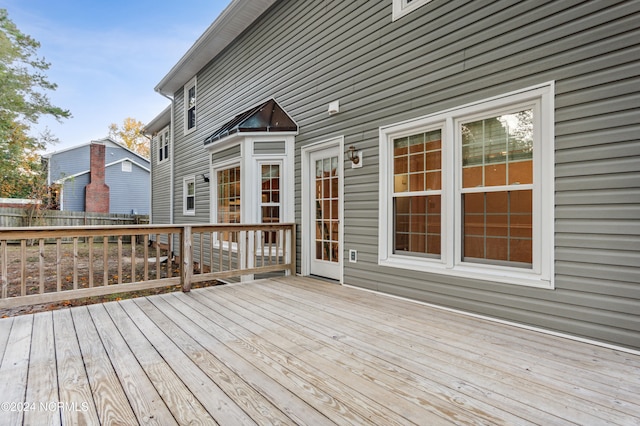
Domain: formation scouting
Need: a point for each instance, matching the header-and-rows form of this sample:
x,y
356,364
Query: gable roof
x,y
231,22
268,117
104,141
122,160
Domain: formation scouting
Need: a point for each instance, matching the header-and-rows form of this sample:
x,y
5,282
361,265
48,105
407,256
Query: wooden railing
x,y
44,265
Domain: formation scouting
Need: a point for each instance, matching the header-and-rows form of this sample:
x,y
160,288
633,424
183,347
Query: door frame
x,y
308,229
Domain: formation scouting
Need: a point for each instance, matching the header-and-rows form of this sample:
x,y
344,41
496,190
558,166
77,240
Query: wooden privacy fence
x,y
43,265
17,217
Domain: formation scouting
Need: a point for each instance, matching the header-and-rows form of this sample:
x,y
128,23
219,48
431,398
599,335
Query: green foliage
x,y
22,102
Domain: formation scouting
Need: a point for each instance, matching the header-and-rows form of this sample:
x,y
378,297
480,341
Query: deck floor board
x,y
547,386
302,351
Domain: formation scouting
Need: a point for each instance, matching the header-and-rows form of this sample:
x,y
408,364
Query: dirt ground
x,y
124,273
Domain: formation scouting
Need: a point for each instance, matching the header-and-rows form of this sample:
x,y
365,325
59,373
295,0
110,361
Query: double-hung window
x,y
469,191
189,199
417,193
163,144
270,207
190,94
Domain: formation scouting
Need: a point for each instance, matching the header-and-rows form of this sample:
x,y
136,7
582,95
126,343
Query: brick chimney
x,y
96,194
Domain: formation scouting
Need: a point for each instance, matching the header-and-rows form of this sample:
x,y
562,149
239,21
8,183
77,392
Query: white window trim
x,y
270,161
541,274
163,135
276,161
185,181
215,168
307,225
192,83
401,7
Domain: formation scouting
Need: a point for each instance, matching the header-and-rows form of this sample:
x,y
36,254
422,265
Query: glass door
x,y
325,213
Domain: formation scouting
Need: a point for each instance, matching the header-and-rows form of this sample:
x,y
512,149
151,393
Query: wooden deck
x,y
300,351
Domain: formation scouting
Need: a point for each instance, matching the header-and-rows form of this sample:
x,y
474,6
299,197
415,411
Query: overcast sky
x,y
107,56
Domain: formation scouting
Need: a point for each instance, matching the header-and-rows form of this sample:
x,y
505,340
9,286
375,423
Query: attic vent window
x,y
268,117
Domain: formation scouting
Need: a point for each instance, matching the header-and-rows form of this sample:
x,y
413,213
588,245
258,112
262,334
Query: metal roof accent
x,y
268,117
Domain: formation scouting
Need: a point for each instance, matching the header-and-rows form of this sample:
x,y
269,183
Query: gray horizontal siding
x,y
160,187
128,191
69,163
227,154
443,55
265,148
73,193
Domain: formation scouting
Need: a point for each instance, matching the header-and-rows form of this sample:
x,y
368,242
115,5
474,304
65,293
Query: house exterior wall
x,y
73,167
129,191
441,56
68,163
160,183
73,193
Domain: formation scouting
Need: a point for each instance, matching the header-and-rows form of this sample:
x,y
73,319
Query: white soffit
x,y
233,20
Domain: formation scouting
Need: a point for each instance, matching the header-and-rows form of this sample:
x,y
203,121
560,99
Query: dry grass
x,y
80,277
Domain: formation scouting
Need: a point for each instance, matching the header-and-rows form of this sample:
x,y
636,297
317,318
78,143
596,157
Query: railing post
x,y
187,261
292,250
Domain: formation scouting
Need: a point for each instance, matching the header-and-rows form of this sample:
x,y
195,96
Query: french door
x,y
325,183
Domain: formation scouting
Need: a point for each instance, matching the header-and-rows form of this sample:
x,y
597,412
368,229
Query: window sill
x,y
496,274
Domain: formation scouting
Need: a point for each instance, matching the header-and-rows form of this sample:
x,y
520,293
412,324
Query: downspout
x,y
171,185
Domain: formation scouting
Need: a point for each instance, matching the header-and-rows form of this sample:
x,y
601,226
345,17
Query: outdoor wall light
x,y
205,177
354,155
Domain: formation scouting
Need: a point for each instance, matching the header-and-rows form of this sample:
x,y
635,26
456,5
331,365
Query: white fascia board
x,y
104,141
159,122
129,160
75,175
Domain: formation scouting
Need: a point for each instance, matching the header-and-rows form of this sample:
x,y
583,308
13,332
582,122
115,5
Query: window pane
x,y
191,108
417,167
498,150
327,209
417,162
228,202
270,214
497,227
417,225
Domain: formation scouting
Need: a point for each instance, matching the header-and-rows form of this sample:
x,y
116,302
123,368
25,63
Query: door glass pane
x,y
327,209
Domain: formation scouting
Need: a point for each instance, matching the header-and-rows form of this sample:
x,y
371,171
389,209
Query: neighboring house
x,y
495,143
100,176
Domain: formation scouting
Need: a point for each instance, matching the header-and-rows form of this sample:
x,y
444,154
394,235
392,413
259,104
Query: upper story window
x,y
469,191
403,7
190,94
163,140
